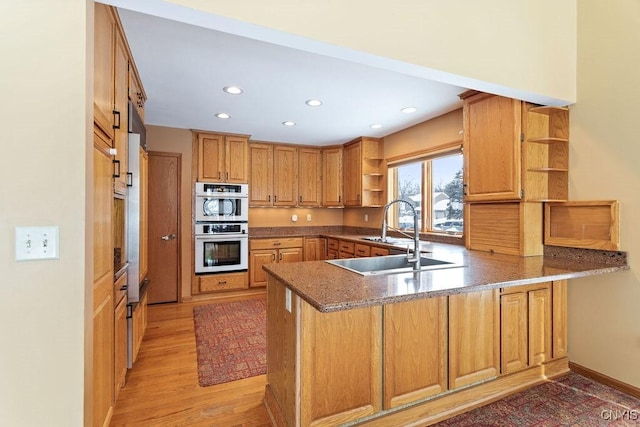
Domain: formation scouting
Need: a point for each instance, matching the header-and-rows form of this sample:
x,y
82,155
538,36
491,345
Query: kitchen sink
x,y
390,264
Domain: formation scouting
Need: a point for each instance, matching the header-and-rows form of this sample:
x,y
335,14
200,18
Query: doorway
x,y
164,227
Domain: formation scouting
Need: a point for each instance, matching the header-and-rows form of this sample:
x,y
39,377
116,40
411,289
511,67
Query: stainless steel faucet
x,y
416,231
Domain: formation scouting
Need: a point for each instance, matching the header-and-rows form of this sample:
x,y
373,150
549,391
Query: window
x,y
432,182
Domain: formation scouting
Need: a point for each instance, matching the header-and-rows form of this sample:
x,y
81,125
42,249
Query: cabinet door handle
x,y
269,198
129,179
339,199
277,243
300,199
275,199
222,282
117,114
280,257
226,176
219,175
117,164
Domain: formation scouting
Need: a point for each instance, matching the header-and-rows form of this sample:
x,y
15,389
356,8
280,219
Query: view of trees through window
x,y
444,198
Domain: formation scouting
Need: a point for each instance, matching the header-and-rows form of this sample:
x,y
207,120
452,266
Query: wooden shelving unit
x,y
545,153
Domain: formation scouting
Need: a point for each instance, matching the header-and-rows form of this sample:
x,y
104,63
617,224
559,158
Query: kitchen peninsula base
x,y
418,361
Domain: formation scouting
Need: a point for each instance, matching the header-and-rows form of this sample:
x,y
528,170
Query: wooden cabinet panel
x,y
120,346
285,176
492,128
329,396
120,110
309,172
474,345
144,214
540,325
236,160
513,336
103,66
223,282
347,249
332,176
260,174
211,157
560,339
267,251
352,174
222,158
414,355
315,249
361,250
376,251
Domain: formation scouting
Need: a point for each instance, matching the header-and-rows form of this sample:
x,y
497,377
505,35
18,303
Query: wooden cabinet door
x,y
103,60
120,346
559,325
332,176
211,158
352,176
121,116
258,258
260,175
328,393
315,249
290,255
474,337
285,171
407,378
309,172
492,162
236,160
514,339
540,326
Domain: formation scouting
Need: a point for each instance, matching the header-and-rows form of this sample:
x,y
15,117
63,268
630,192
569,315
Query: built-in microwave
x,y
221,202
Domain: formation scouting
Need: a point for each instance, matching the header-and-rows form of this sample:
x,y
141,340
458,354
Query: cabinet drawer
x,y
376,251
347,247
223,282
362,250
285,242
118,292
333,244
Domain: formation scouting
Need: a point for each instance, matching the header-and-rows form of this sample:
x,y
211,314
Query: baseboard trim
x,y
604,379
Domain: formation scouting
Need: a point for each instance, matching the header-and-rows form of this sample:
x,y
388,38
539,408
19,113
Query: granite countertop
x,y
331,288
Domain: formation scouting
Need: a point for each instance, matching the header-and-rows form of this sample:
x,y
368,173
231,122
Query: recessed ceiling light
x,y
376,126
409,110
313,102
289,123
233,90
223,116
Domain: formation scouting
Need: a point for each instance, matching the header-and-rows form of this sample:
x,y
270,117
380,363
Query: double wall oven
x,y
221,229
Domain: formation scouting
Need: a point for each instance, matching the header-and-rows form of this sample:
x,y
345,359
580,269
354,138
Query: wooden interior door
x,y
164,231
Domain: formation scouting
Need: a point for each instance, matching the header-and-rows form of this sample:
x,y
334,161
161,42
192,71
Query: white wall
x,y
45,122
604,311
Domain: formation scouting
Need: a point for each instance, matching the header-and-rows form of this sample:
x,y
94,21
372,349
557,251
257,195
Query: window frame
x,y
424,157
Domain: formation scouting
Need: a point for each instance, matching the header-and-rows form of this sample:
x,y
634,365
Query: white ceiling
x,y
184,67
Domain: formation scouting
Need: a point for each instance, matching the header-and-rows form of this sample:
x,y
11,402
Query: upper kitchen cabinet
x,y
309,172
103,63
222,158
137,95
332,177
273,178
364,178
514,150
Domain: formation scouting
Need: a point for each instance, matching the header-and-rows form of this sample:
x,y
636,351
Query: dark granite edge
x,y
617,258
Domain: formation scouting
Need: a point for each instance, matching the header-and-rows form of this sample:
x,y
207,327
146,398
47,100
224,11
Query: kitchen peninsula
x,y
417,347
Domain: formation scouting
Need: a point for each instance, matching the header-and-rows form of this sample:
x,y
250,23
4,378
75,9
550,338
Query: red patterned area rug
x,y
571,400
231,341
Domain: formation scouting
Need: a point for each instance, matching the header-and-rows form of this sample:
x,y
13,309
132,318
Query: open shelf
x,y
548,140
545,169
548,110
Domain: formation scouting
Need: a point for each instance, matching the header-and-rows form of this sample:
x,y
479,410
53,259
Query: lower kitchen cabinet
x,y
272,250
526,316
139,324
315,248
120,346
474,332
413,328
333,249
223,282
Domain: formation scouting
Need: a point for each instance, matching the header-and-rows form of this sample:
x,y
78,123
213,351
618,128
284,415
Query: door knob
x,y
168,237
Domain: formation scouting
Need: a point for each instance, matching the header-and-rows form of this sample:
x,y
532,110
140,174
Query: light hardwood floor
x,y
162,388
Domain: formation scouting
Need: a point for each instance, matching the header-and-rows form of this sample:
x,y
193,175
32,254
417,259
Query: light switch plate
x,y
35,243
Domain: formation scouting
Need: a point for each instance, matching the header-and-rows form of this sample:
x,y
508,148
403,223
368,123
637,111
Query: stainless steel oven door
x,y
218,253
216,208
